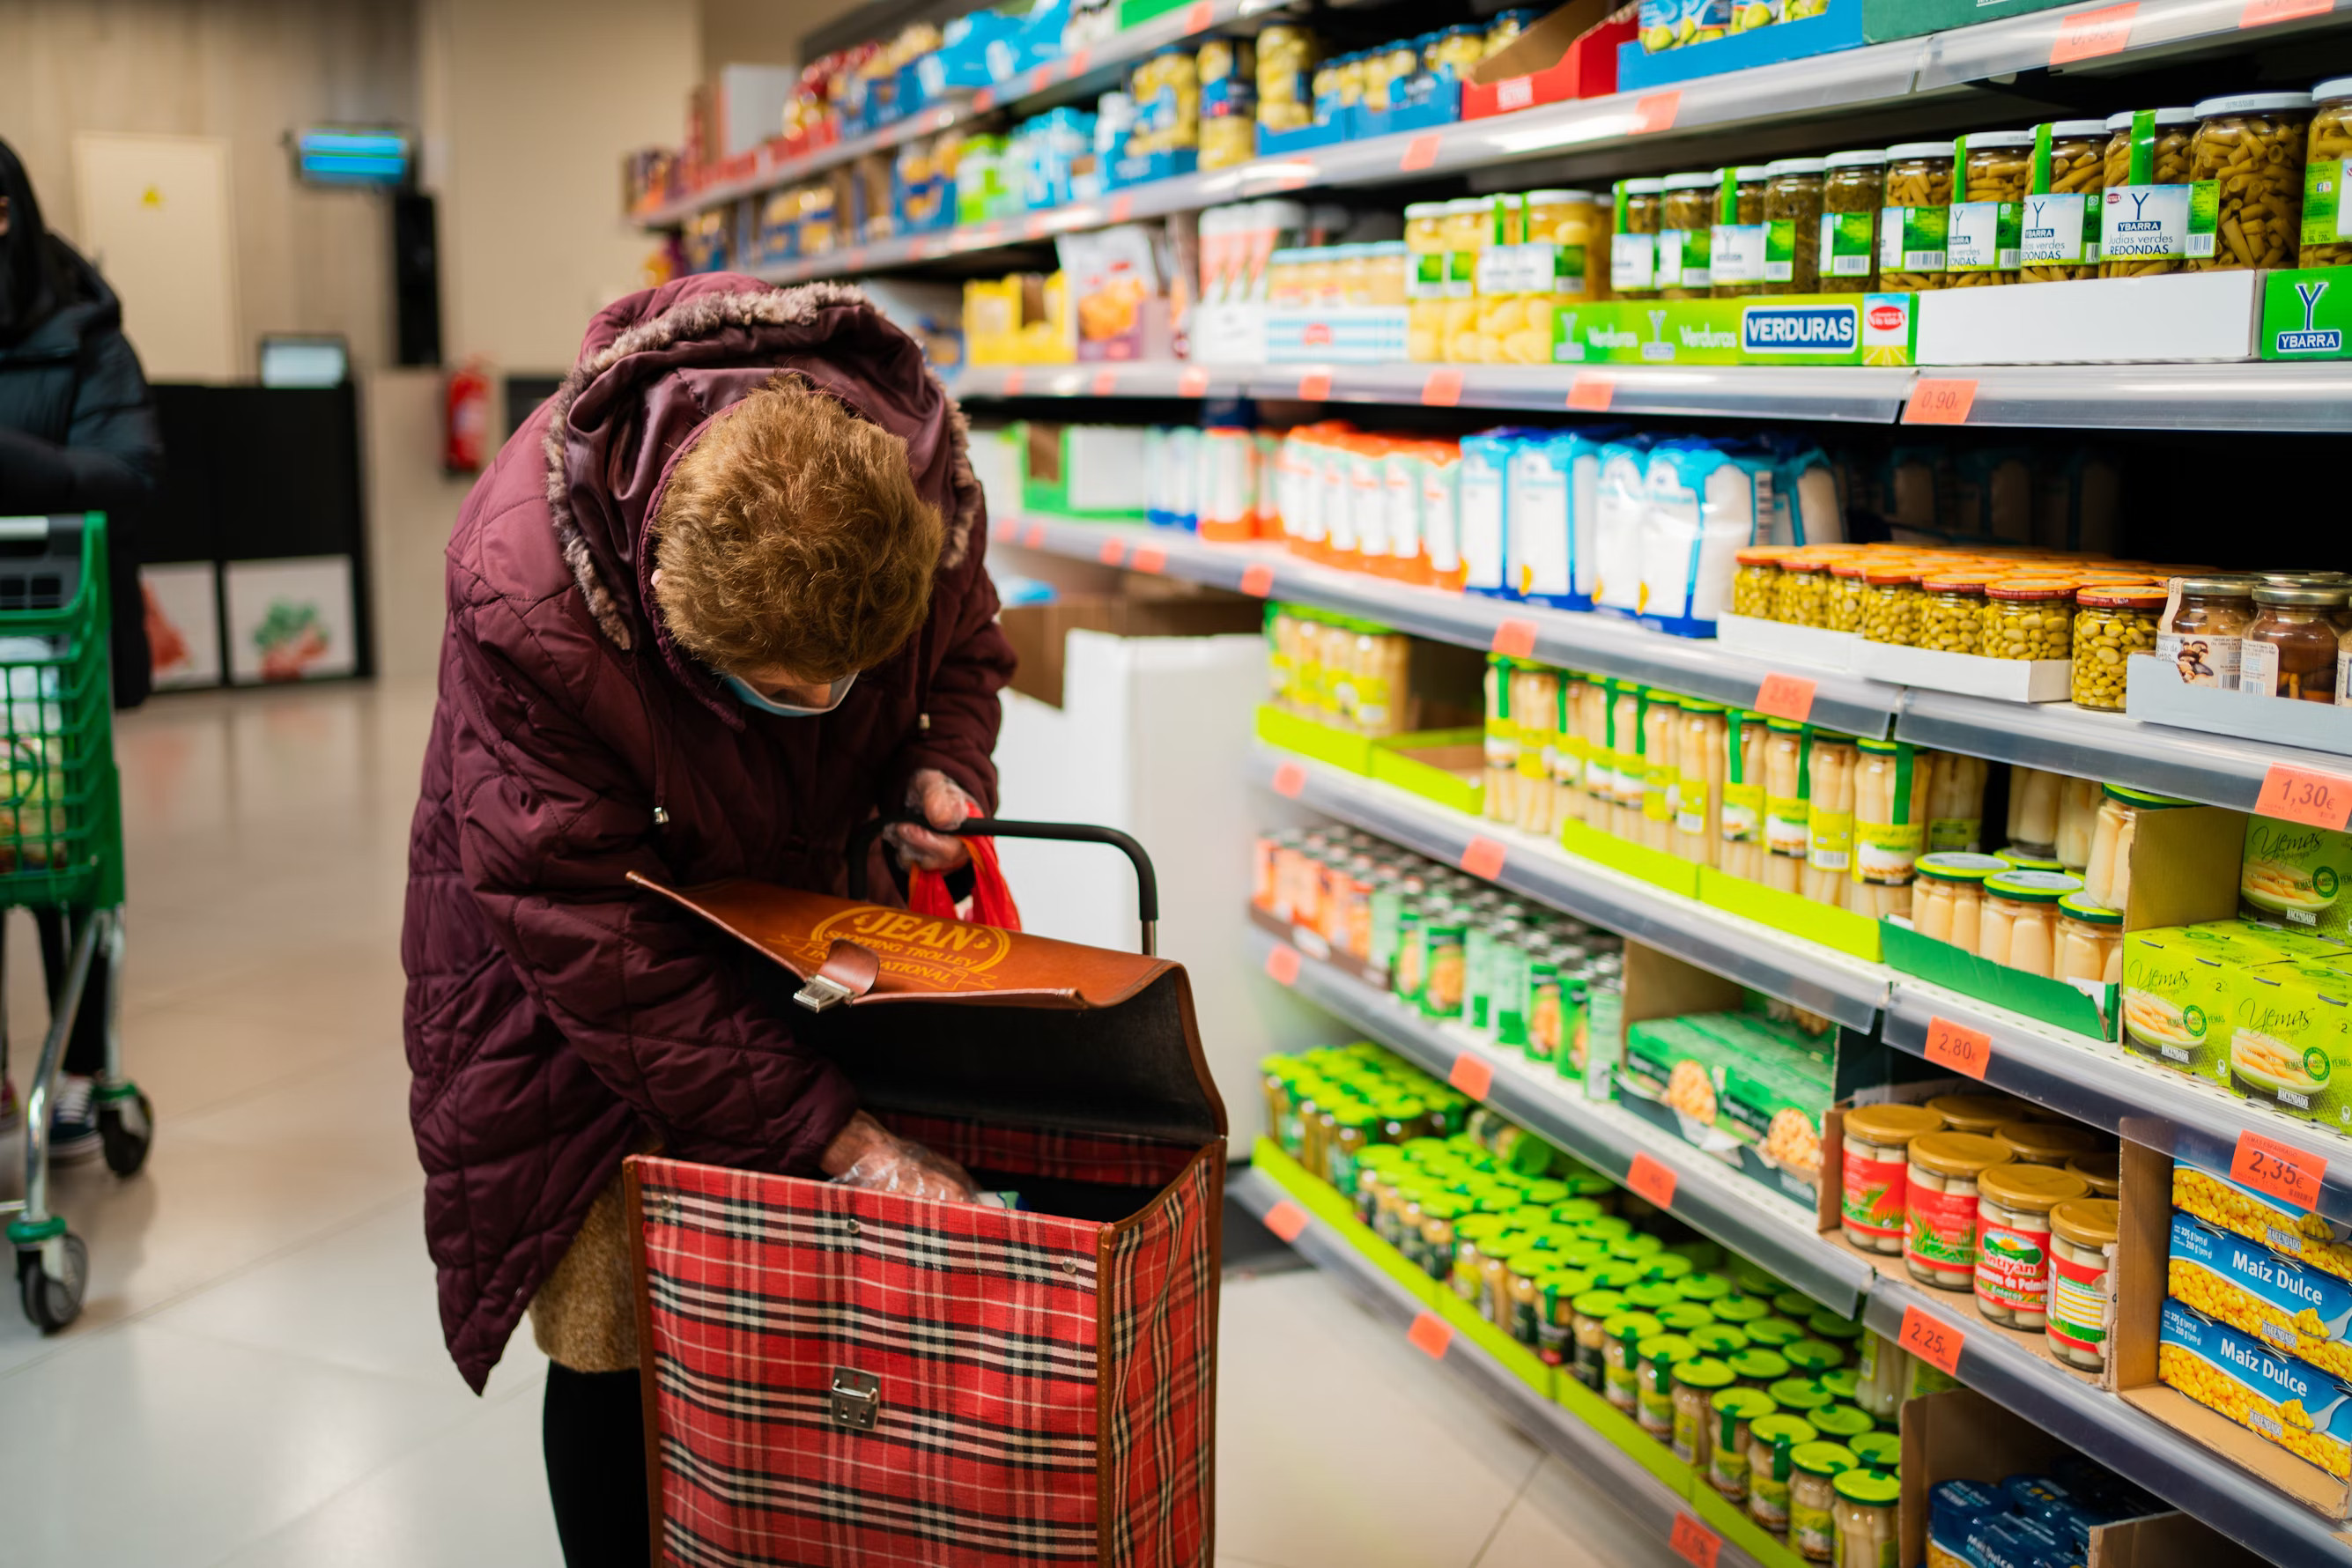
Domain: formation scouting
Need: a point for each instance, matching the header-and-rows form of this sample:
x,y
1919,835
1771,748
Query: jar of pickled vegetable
x,y
2111,624
1633,239
1913,225
1939,1216
1752,583
1793,225
2326,236
1890,597
1989,209
2028,617
1846,587
2145,202
1686,237
1424,242
2019,924
1853,190
2245,166
1737,254
2062,213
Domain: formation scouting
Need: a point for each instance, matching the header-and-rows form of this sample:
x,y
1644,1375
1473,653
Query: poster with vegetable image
x,y
290,620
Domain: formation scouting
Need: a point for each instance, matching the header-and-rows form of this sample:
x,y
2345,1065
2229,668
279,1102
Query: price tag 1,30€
x,y
1932,1339
2282,1170
1966,1051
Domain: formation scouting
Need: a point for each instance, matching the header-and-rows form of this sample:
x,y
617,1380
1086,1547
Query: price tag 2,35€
x,y
2282,1170
1932,1339
1966,1051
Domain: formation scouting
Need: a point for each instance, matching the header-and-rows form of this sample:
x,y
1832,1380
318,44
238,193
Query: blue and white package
x,y
1535,511
1483,502
1620,496
1702,502
1807,507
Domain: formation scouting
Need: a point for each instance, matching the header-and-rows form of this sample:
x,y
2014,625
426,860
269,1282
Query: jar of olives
x,y
1889,598
1951,612
2059,240
2245,165
2326,237
1988,218
2146,206
1793,225
1737,254
2028,617
1912,225
1853,190
2111,624
1634,240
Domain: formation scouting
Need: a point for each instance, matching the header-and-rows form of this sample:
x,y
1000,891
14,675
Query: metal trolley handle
x,y
1147,883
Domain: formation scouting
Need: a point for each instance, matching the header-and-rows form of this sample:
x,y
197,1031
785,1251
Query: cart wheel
x,y
49,1302
126,1125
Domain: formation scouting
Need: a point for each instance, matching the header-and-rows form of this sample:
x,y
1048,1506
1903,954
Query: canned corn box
x,y
2309,1238
1788,328
2288,1305
2271,1394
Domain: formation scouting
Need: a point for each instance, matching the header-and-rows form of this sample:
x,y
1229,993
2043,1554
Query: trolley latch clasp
x,y
857,1398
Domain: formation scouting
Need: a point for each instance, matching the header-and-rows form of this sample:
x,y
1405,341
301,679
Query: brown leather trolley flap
x,y
941,1017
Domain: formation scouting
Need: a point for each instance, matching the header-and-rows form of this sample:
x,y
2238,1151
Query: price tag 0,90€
x,y
2282,1170
1932,1339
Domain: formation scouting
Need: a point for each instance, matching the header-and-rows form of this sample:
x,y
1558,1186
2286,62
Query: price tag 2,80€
x,y
2282,1170
1966,1051
1932,1339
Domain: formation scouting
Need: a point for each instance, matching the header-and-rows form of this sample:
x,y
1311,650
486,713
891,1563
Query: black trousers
x,y
593,1432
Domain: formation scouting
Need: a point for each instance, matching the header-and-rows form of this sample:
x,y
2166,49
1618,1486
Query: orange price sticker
x,y
1430,1335
1785,697
1193,382
1286,1220
2302,795
1695,1541
1106,382
1149,558
1653,1181
1288,780
1442,389
2262,13
2282,1170
1257,581
1036,538
2089,35
1199,16
1932,1339
1421,152
1315,386
1940,400
1966,1051
1471,1075
1515,638
1112,552
1483,858
1014,380
1656,111
1282,964
1590,393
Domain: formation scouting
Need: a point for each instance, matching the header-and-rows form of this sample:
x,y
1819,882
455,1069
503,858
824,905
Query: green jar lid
x,y
1717,1339
1667,1267
1703,1287
1753,1279
1757,1364
1616,1276
1774,1332
1750,1404
1640,1325
1880,1450
1740,1311
1842,1420
1670,1349
1684,1317
1813,1357
1799,1393
1598,1303
1783,1424
1704,1372
1702,1253
1651,1296
1795,1304
1574,1211
1609,1226
1843,1380
2078,905
1875,1489
1634,1244
1823,1459
1827,1325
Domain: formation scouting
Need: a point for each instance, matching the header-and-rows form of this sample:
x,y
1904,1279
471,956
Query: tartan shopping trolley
x,y
842,1376
61,850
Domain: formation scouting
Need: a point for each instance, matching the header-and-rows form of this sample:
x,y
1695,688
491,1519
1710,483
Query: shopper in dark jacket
x,y
600,714
77,434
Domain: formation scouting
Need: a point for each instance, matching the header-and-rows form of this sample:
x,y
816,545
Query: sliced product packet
x,y
2292,1306
2282,1398
1704,502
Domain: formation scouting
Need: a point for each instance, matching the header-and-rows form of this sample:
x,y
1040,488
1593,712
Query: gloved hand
x,y
864,1154
943,804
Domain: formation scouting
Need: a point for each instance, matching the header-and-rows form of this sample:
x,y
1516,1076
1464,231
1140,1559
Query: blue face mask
x,y
751,699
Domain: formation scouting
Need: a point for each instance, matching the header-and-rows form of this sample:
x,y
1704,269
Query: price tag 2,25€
x,y
1932,1339
1966,1051
2282,1170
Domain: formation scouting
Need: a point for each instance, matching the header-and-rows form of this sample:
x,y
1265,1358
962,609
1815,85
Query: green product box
x,y
1784,329
1884,20
2306,313
2289,1037
2296,875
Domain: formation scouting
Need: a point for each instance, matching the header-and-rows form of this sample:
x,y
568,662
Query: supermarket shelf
x,y
2134,1445
2295,398
2109,1086
1811,976
1602,644
1641,1494
1776,1232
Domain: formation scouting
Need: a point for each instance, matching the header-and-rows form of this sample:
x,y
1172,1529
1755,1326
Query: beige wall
x,y
247,71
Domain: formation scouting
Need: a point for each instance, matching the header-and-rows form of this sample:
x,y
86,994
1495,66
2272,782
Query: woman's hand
x,y
943,804
864,1154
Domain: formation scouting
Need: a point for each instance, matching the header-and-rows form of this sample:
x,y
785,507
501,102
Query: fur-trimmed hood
x,y
656,367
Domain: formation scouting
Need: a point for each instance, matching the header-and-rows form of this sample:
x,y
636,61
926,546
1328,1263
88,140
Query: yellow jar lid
x,y
2022,1186
1964,1154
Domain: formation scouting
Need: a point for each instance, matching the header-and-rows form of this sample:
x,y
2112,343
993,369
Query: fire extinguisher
x,y
466,419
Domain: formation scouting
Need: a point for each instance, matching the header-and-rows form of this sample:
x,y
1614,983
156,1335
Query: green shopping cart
x,y
61,850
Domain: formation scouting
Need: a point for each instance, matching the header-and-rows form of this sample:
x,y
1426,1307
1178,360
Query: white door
x,y
155,217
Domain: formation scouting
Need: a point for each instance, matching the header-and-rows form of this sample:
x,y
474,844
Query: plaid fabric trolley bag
x,y
842,1376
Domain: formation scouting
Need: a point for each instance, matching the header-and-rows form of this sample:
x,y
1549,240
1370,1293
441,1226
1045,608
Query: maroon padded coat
x,y
554,1012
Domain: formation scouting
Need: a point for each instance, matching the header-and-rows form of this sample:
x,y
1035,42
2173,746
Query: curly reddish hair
x,y
791,537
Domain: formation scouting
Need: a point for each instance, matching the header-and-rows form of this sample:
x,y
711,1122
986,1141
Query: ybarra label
x,y
1800,329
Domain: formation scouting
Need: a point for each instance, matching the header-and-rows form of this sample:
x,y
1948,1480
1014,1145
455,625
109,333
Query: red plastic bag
x,y
992,896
